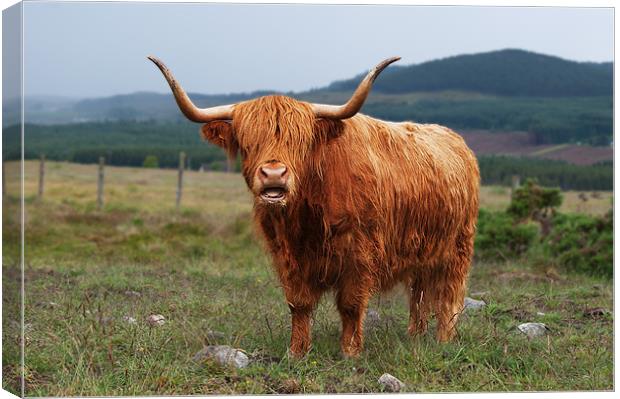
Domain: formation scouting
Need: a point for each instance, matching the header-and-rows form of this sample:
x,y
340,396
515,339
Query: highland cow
x,y
352,204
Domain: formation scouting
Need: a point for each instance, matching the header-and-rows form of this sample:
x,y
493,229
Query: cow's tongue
x,y
273,192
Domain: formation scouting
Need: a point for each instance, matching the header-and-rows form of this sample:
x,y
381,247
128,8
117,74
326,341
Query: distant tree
x,y
151,161
532,199
534,202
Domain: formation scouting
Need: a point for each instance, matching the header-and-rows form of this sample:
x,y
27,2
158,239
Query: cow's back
x,y
410,189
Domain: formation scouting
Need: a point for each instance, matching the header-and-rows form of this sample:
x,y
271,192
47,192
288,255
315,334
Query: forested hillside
x,y
556,100
549,120
505,73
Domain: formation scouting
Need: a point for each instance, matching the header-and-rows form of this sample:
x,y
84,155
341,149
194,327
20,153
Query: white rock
x,y
473,304
373,319
129,320
223,355
540,314
533,330
156,320
391,383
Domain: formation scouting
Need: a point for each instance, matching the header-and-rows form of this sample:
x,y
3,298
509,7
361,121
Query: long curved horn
x,y
357,99
193,113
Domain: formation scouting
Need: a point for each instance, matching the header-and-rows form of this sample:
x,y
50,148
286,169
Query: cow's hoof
x,y
350,353
445,336
294,356
415,331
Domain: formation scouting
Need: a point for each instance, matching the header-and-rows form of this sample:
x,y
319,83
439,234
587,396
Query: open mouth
x,y
273,194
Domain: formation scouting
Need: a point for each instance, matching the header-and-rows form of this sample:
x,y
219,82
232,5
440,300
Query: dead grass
x,y
131,189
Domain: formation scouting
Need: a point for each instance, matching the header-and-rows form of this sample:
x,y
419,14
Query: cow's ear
x,y
222,134
327,129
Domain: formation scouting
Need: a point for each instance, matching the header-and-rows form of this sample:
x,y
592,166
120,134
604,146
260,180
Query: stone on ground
x,y
223,355
373,319
473,304
391,383
156,320
533,330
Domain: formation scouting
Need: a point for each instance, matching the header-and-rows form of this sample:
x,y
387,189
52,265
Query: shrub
x,y
499,236
531,200
572,242
582,243
150,161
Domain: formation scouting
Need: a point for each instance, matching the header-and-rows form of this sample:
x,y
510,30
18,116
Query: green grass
x,y
204,272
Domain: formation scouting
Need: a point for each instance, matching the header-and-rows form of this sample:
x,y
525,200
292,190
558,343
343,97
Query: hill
x,y
555,100
505,73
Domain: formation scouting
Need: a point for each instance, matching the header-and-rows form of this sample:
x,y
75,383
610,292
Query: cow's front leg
x,y
352,301
301,339
302,305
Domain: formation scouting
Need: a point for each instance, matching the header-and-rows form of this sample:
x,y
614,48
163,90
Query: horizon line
x,y
293,92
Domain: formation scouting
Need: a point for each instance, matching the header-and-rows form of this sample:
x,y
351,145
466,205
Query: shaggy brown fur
x,y
371,204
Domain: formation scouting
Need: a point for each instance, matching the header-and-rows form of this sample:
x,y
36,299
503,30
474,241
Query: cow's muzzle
x,y
273,178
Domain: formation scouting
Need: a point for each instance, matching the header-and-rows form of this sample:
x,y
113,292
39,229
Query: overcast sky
x,y
100,49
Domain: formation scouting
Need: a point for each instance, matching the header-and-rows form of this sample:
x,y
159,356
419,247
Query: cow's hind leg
x,y
451,280
352,301
419,303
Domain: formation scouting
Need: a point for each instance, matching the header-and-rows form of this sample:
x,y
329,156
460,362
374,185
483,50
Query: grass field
x,y
204,271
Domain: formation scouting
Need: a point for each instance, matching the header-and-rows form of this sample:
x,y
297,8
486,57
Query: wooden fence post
x,y
516,183
41,176
3,179
230,165
180,180
100,184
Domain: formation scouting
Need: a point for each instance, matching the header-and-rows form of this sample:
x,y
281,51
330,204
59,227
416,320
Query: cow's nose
x,y
273,173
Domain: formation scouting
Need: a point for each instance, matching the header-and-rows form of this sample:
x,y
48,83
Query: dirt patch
x,y
517,143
